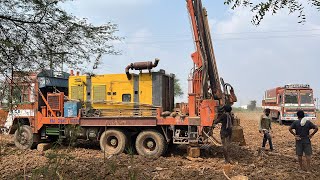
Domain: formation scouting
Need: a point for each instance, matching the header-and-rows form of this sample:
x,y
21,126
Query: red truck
x,y
285,101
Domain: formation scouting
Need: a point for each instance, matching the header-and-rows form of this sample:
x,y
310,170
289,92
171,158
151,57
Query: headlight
x,y
310,115
288,115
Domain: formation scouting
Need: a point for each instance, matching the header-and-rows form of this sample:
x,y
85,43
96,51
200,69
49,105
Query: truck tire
x,y
279,119
280,122
151,144
23,137
113,141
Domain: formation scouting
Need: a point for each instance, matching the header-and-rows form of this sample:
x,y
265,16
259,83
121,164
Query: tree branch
x,y
19,20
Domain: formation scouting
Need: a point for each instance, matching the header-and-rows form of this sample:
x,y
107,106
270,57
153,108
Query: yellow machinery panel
x,y
145,88
110,90
77,88
116,95
145,94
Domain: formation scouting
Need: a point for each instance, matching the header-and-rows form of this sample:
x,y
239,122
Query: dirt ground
x,y
86,161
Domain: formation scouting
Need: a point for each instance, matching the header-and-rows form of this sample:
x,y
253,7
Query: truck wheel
x,y
113,141
280,122
23,137
279,119
150,144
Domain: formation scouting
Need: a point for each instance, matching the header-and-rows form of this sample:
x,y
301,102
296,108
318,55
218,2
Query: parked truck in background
x,y
285,101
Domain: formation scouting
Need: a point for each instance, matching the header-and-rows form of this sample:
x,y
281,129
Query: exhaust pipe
x,y
141,66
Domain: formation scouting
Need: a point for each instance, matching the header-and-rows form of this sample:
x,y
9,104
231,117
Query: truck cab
x,y
284,102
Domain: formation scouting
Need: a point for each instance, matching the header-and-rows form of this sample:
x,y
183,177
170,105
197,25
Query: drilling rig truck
x,y
125,109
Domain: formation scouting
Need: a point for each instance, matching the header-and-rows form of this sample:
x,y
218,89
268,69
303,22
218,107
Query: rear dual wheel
x,y
151,144
113,141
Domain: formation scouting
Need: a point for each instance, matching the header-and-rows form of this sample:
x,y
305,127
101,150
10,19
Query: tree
x,y
253,105
261,8
39,34
177,88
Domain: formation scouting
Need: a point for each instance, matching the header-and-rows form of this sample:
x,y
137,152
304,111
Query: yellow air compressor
x,y
128,94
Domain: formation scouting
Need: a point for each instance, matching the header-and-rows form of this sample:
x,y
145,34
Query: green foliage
x,y
177,88
112,167
261,8
72,131
40,34
253,105
133,174
131,170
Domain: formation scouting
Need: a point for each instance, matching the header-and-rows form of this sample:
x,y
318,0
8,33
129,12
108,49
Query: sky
x,y
252,58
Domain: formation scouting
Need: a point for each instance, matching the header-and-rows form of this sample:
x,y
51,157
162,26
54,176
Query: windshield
x,y
306,98
291,98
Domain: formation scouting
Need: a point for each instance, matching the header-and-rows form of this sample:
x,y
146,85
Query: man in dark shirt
x,y
302,135
226,119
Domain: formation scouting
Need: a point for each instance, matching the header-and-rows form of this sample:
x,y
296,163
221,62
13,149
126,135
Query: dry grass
x,y
87,162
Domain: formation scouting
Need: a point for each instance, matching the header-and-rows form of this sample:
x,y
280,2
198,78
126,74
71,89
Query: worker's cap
x,y
300,114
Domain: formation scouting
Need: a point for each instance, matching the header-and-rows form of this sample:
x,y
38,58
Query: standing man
x,y
265,128
226,119
302,136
